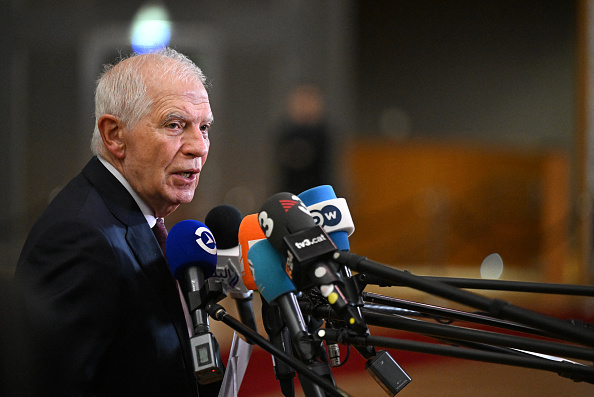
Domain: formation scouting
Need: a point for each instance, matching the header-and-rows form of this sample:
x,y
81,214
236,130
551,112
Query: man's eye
x,y
175,126
205,128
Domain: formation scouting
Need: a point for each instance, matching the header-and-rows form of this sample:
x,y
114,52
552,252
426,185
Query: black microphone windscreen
x,y
283,214
223,221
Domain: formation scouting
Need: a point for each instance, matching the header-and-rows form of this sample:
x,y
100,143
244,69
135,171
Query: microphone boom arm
x,y
495,307
576,372
493,285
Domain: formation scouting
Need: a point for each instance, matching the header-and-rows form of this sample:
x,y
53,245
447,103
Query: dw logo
x,y
329,215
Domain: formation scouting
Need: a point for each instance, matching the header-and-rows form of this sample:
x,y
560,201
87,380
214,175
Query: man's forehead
x,y
165,89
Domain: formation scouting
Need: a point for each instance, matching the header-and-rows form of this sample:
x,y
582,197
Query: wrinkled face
x,y
166,150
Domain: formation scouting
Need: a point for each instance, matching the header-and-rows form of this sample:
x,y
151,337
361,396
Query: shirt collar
x,y
146,210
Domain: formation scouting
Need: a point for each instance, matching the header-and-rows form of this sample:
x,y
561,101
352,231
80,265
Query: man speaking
x,y
106,311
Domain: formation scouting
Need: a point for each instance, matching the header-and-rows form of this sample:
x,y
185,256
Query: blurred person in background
x,y
303,142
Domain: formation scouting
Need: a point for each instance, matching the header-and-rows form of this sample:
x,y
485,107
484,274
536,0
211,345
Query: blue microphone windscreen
x,y
191,243
340,240
317,195
268,271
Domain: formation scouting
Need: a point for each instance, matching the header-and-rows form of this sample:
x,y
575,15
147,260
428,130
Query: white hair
x,y
122,91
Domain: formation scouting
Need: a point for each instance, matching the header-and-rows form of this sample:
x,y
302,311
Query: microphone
x,y
249,233
276,288
192,257
267,269
224,221
292,231
331,213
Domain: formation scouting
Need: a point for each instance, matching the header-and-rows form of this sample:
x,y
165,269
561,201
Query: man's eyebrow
x,y
183,117
174,116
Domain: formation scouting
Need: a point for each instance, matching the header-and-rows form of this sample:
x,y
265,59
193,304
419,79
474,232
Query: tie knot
x,y
160,233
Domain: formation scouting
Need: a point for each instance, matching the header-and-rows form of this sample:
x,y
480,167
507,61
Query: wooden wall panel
x,y
442,203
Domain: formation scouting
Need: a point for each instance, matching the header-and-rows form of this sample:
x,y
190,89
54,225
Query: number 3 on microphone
x,y
266,223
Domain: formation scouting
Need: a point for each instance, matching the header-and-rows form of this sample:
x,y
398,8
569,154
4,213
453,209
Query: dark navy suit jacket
x,y
103,304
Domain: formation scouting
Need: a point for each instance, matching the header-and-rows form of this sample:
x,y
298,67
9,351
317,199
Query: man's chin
x,y
175,201
184,197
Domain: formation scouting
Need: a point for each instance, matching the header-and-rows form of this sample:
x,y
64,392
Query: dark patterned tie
x,y
161,234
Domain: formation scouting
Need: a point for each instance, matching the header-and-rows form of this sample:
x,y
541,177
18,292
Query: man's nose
x,y
196,143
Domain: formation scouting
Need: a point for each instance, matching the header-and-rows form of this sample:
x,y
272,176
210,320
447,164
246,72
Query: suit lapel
x,y
143,244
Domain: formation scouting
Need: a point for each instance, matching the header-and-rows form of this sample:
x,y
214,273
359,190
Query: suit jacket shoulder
x,y
99,289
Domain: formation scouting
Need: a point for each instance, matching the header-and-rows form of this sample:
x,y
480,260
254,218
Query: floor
x,y
455,378
437,378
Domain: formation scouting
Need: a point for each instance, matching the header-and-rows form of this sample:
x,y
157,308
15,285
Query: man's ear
x,y
112,130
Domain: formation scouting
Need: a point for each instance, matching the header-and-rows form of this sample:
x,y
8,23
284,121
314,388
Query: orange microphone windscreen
x,y
249,234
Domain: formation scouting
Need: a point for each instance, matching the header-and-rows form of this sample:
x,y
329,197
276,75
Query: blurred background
x,y
455,129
